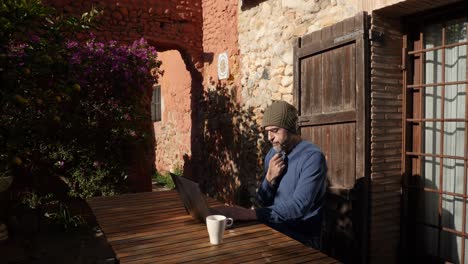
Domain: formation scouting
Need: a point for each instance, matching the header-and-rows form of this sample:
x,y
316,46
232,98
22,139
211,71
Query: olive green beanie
x,y
281,114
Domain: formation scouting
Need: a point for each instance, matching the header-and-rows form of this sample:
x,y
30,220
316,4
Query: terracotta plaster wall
x,y
224,155
167,25
220,35
173,132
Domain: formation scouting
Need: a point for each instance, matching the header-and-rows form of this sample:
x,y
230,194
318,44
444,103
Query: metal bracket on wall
x,y
377,36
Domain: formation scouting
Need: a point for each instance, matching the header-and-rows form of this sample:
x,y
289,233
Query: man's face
x,y
278,136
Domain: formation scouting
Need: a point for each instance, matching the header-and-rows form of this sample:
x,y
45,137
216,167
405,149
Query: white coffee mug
x,y
216,224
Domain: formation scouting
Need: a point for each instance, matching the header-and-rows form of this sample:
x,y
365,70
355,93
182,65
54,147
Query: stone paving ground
x,y
50,246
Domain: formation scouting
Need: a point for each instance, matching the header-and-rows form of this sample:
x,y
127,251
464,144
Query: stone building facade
x,y
267,33
210,127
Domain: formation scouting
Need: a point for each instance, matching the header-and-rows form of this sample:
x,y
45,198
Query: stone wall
x,y
224,144
370,5
267,31
266,35
165,24
227,143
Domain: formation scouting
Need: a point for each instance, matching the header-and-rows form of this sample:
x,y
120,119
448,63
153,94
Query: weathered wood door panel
x,y
335,141
330,94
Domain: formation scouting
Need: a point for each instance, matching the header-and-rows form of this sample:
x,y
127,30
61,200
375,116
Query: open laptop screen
x,y
192,198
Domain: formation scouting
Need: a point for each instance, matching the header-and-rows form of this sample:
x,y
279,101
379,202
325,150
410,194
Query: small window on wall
x,y
156,104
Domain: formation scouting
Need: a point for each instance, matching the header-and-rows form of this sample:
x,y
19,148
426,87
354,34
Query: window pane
x,y
428,241
432,36
156,104
455,64
433,66
428,207
466,223
466,251
432,102
453,173
432,137
454,138
431,172
452,212
455,31
450,247
433,59
454,101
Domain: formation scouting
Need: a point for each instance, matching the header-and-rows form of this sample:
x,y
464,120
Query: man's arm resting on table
x,y
237,213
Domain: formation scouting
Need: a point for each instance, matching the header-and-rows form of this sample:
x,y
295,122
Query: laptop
x,y
192,198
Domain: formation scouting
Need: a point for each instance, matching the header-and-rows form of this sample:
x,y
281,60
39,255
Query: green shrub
x,y
65,219
71,111
165,178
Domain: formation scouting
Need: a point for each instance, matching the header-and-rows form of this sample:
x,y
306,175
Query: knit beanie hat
x,y
281,114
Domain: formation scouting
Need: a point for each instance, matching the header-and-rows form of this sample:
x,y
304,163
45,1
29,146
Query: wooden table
x,y
154,227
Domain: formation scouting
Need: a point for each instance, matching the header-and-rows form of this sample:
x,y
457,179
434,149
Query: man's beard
x,y
278,148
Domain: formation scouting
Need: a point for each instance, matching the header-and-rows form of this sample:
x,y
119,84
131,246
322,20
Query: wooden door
x,y
330,93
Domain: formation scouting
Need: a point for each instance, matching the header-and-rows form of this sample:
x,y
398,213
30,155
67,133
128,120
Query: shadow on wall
x,y
425,241
141,155
246,5
227,156
345,218
343,224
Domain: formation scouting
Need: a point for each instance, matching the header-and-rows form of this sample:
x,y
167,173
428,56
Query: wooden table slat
x,y
202,250
181,237
244,257
154,227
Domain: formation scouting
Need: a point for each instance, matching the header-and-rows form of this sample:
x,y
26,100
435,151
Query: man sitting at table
x,y
293,187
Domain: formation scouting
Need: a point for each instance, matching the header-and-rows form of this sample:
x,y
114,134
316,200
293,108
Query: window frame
x,y
156,104
413,57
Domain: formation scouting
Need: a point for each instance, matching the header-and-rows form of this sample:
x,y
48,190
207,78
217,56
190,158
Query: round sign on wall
x,y
223,66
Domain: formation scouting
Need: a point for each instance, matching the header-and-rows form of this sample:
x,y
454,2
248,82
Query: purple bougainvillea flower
x,y
34,38
71,44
